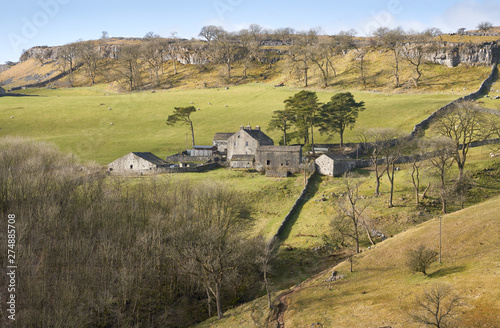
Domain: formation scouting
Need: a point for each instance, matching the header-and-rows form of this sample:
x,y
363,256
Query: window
x,y
268,162
287,163
131,167
246,143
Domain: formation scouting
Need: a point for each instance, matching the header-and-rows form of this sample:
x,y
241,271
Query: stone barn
x,y
242,161
246,141
136,162
220,141
203,151
334,164
285,159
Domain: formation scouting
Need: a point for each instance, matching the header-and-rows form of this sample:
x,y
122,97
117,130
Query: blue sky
x,y
28,23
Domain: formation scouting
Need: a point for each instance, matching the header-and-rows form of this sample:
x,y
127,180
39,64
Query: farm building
x,y
203,151
278,158
220,141
136,162
242,161
246,141
334,164
2,91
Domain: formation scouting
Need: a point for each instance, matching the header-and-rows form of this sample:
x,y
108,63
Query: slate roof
x,y
150,157
223,135
259,135
280,148
338,157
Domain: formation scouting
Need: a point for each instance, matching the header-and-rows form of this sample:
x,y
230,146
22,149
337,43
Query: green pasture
x,y
79,120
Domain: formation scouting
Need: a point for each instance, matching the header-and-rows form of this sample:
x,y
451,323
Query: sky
x,y
28,23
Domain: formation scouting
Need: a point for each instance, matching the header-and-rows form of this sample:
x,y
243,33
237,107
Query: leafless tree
x,y
130,65
89,55
484,26
438,307
300,52
414,49
349,219
418,149
443,150
210,32
420,259
393,39
464,124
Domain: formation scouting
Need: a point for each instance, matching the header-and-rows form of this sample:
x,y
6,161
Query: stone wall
x,y
295,207
483,89
196,168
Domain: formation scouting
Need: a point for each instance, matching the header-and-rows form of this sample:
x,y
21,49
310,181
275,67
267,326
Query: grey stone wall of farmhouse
x,y
242,143
278,158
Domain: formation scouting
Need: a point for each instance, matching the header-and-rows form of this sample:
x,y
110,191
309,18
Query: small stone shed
x,y
242,161
334,164
220,141
137,162
278,158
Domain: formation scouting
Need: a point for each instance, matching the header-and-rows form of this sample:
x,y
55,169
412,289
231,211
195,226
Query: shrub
x,y
420,259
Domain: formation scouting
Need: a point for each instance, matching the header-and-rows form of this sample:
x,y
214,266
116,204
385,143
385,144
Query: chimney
x,y
241,127
257,127
248,127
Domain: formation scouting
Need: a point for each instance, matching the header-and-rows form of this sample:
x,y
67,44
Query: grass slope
x,y
381,291
79,119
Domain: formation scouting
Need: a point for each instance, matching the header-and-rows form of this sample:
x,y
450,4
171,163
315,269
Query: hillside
x,y
381,292
201,65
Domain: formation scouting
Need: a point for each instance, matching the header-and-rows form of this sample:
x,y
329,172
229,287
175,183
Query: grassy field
x,y
382,292
269,198
79,119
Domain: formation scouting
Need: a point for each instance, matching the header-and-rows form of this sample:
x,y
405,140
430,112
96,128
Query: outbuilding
x,y
137,162
334,164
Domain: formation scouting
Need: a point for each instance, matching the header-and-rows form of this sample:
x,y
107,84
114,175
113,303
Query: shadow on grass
x,y
447,271
310,193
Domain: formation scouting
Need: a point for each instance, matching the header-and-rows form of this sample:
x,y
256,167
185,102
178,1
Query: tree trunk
x,y
209,303
266,283
218,300
390,175
192,132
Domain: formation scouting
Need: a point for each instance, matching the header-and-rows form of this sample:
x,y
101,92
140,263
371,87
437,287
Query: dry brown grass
x,y
382,292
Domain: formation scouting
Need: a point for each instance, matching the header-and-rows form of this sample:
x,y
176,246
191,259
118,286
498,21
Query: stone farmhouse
x,y
137,163
334,164
252,148
246,141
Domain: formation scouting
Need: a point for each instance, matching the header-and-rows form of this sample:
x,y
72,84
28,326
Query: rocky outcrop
x,y
453,54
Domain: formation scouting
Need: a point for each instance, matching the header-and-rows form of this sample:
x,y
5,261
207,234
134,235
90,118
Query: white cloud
x,y
469,14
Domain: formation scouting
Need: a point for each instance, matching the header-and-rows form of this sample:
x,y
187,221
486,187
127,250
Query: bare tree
x,y
205,237
300,52
438,307
89,55
464,124
420,259
264,260
152,54
130,65
349,219
414,50
210,32
443,150
68,55
418,148
392,150
393,39
484,26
